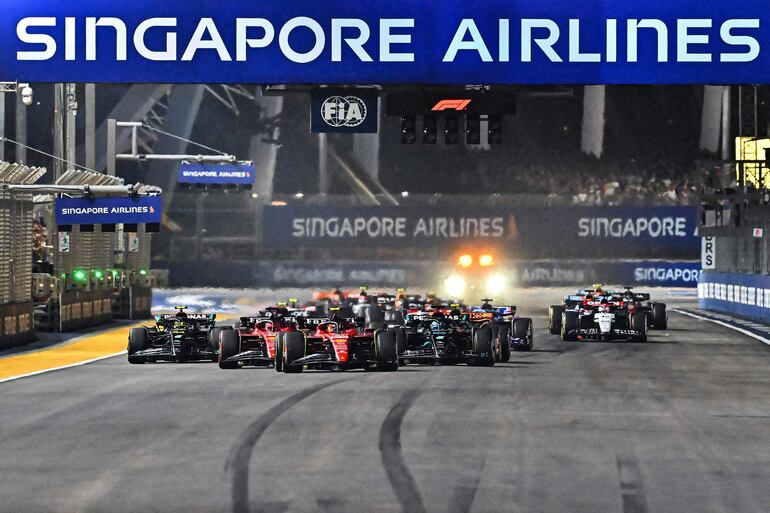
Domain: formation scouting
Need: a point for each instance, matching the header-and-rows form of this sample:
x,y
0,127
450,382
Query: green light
x,y
98,275
114,273
143,271
63,275
79,274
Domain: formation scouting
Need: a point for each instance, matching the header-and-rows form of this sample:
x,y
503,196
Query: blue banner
x,y
393,42
744,295
216,174
343,110
133,210
563,232
430,275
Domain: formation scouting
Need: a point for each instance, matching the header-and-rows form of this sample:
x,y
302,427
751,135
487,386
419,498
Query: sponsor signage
x,y
565,231
708,253
394,42
744,295
216,174
132,210
344,110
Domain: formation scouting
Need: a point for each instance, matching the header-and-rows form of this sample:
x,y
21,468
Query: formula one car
x,y
176,337
657,317
655,312
252,341
604,318
337,344
509,332
447,339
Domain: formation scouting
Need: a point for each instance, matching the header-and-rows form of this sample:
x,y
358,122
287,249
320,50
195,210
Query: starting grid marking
x,y
751,329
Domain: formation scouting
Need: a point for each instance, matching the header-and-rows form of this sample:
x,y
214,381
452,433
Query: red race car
x,y
252,342
337,343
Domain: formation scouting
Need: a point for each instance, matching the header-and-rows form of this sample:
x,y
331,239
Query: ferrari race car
x,y
604,318
337,343
251,342
176,337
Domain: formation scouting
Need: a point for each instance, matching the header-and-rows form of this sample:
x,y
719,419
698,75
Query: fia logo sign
x,y
343,111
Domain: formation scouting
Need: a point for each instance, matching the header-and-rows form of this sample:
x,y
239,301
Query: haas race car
x,y
604,318
337,343
175,337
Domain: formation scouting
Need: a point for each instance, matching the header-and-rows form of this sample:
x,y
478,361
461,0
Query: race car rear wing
x,y
197,317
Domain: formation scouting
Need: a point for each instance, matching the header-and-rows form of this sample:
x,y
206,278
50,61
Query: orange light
x,y
465,261
486,260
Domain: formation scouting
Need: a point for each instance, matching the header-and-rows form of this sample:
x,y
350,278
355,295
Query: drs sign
x,y
344,110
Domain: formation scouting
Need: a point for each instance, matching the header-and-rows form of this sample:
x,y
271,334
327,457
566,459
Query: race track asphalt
x,y
679,424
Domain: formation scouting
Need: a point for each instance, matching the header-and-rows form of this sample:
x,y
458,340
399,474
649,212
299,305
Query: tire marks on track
x,y
240,453
400,478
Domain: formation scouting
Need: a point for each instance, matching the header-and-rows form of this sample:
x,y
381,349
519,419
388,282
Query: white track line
x,y
78,364
725,324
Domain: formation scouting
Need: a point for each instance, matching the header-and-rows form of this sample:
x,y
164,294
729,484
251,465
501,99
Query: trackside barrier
x,y
533,273
743,295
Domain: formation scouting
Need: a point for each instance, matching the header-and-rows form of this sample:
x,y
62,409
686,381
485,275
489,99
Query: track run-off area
x,y
677,424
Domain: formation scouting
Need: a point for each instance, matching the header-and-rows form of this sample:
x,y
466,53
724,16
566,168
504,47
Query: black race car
x,y
447,339
176,337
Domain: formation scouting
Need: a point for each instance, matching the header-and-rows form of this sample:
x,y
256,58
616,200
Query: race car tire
x,y
554,319
229,345
569,321
659,316
213,339
375,317
496,349
386,351
279,351
138,340
482,347
522,328
294,347
638,322
505,343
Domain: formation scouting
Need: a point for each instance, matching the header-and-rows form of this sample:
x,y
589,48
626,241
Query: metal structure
x,y
15,254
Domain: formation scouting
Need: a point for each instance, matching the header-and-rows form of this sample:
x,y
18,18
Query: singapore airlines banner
x,y
565,231
386,42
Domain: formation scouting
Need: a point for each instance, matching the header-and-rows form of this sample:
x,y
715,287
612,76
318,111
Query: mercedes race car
x,y
337,343
176,337
433,338
604,318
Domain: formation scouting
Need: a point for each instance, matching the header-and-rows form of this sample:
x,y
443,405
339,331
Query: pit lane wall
x,y
742,295
534,273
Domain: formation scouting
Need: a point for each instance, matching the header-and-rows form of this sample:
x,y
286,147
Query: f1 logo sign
x,y
451,105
